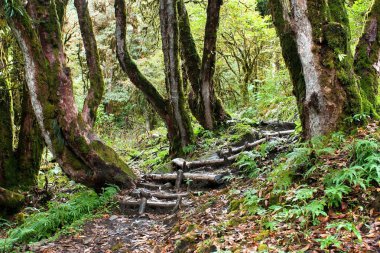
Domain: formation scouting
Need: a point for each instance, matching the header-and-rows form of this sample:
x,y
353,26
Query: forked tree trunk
x,y
81,154
163,107
174,87
96,90
367,61
30,146
7,159
315,39
19,166
203,102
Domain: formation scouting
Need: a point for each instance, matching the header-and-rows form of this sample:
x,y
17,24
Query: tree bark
x,y
213,110
315,42
19,165
7,159
367,61
10,201
80,153
96,90
203,102
170,48
164,108
30,146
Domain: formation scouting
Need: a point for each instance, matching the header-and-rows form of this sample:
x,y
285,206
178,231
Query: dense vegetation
x,y
95,94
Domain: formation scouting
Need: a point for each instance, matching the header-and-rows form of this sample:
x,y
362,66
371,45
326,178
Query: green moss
x,y
336,36
111,157
235,204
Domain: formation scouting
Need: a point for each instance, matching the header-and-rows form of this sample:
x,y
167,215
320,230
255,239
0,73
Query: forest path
x,y
149,213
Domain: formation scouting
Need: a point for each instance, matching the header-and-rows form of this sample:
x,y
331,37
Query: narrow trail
x,y
148,213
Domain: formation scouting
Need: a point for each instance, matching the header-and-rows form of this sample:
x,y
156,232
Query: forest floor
x,y
279,198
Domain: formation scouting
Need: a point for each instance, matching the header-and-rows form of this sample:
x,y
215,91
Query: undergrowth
x,y
58,217
325,175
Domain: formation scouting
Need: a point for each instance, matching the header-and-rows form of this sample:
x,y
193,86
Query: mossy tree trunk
x,y
30,146
367,61
80,153
10,201
173,80
315,38
203,102
164,107
19,166
96,90
7,159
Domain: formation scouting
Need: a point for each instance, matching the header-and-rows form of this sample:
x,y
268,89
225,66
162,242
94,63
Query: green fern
x,y
304,194
12,8
335,194
346,226
45,224
329,241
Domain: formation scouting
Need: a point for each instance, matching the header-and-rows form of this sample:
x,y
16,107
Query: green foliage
x,y
12,8
247,163
329,241
357,17
252,202
303,194
365,167
335,194
45,224
346,226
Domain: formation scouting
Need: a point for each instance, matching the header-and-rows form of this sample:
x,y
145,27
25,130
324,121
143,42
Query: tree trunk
x,y
203,102
96,90
30,146
7,159
79,152
18,166
169,33
10,201
163,107
315,43
367,61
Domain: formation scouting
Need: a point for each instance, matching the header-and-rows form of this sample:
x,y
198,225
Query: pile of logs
x,y
165,191
228,155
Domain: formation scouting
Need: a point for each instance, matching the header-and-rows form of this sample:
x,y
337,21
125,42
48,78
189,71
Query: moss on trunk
x,y
315,39
163,107
180,119
96,90
203,101
79,152
367,61
10,201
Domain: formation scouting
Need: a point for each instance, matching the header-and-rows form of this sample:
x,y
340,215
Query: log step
x,y
152,203
152,186
159,195
208,177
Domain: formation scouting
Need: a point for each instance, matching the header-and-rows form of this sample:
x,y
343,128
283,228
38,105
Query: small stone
x,y
113,217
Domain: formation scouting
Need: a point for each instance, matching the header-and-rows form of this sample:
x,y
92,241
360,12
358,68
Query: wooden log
x,y
151,203
158,195
143,202
155,186
179,179
225,159
213,178
178,205
279,133
203,163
